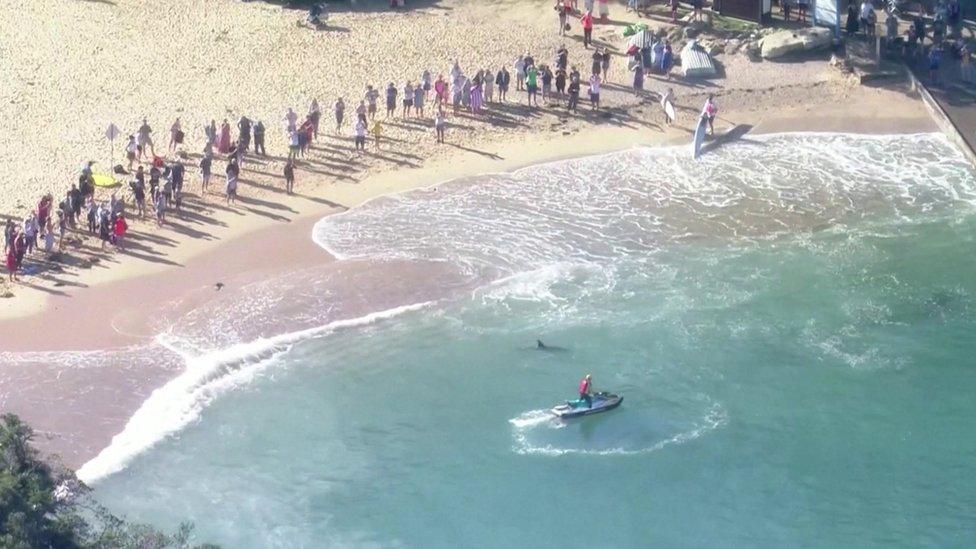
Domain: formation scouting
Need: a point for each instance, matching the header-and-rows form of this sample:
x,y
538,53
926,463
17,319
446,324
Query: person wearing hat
x,y
584,391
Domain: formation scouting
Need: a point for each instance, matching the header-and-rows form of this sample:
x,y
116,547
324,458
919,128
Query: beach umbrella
x,y
643,39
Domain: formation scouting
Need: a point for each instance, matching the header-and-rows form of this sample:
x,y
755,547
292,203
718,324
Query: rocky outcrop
x,y
781,43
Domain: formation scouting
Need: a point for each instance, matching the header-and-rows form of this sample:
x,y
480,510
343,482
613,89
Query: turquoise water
x,y
793,338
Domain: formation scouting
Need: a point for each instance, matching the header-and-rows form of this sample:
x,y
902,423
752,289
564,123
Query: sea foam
x,y
178,403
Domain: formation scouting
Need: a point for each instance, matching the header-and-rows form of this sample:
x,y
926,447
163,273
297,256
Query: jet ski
x,y
602,402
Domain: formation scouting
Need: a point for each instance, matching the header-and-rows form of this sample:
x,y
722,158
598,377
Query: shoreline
x,y
249,253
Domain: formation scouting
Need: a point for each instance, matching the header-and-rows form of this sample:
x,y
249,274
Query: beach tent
x,y
641,40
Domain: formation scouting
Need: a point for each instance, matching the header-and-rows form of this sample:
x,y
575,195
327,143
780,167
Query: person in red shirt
x,y
587,22
584,391
120,229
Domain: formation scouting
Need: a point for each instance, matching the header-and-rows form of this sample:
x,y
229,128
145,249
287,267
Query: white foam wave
x,y
528,421
176,404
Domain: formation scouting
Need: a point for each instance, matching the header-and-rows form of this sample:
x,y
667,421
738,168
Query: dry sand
x,y
73,68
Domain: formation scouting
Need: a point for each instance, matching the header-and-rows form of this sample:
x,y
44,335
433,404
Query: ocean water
x,y
790,321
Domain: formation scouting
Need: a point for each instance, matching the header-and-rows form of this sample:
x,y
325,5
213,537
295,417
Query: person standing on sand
x,y
439,125
604,9
371,97
258,131
520,73
466,94
477,100
440,90
487,85
597,62
121,227
668,97
667,60
574,91
145,139
391,97
131,150
419,93
377,131
175,135
314,115
289,176
361,110
502,80
223,142
139,193
532,85
594,91
160,205
425,83
360,136
708,113
290,120
294,144
30,232
339,110
605,65
210,131
232,172
587,23
638,76
545,74
407,99
12,254
560,81
561,13
243,134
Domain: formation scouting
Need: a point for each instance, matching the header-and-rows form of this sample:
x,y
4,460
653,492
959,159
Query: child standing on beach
x,y
377,132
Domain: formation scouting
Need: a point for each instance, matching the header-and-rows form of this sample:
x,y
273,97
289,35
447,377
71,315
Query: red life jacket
x,y
584,386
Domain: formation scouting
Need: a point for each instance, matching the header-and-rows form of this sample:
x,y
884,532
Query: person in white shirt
x,y
360,135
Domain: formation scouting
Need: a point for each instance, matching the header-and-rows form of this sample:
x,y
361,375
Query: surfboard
x,y
699,137
669,110
104,180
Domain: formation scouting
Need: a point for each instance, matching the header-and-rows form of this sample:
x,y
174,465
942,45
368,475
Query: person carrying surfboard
x,y
667,103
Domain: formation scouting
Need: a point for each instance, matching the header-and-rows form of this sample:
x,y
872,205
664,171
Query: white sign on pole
x,y
112,132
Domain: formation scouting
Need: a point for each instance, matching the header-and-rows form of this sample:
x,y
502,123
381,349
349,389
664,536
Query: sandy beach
x,y
203,60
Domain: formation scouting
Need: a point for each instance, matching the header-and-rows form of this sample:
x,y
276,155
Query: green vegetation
x,y
37,510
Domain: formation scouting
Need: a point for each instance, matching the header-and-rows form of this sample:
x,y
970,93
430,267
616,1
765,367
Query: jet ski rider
x,y
584,391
